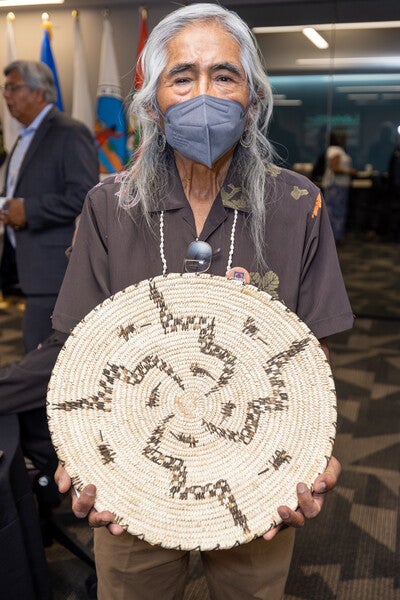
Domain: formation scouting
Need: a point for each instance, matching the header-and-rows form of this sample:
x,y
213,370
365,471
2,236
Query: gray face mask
x,y
204,128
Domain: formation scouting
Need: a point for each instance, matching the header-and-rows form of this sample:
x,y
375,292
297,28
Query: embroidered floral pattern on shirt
x,y
297,192
231,197
273,170
267,283
317,206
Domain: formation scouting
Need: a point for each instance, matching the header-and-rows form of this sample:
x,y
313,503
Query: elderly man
x,y
205,172
49,171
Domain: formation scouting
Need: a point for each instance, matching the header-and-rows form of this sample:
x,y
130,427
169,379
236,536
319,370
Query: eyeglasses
x,y
198,257
12,87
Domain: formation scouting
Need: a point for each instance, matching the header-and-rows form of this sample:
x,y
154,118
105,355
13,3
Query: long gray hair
x,y
146,179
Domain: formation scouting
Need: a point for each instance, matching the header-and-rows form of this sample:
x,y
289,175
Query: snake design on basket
x,y
208,346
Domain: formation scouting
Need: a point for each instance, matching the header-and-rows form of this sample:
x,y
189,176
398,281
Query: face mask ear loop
x,y
161,139
246,137
158,112
161,142
252,104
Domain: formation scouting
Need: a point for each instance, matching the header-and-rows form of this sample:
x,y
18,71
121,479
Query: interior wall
x,y
125,22
28,34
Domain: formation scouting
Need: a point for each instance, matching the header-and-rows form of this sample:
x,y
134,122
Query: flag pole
x,y
46,55
82,104
46,23
11,126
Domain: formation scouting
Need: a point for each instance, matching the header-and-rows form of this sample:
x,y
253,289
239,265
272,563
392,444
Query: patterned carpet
x,y
351,552
372,274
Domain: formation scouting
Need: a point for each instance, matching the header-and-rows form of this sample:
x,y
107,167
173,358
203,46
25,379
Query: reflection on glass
x,y
365,106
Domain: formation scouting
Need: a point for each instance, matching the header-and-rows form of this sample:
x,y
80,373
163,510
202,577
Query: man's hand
x,y
14,213
310,503
83,505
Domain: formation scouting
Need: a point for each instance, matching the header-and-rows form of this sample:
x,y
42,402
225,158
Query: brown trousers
x,y
131,569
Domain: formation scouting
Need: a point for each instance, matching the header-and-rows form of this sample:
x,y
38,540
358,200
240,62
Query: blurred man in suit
x,y
51,167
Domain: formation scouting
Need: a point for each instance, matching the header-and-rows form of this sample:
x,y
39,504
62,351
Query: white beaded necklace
x,y
231,249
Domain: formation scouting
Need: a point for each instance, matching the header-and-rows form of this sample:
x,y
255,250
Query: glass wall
x,y
349,86
364,106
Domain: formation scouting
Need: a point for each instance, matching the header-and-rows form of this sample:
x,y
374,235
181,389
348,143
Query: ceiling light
x,y
367,88
15,3
315,38
363,97
351,61
329,27
287,102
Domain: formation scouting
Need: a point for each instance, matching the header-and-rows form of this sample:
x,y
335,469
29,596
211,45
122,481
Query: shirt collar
x,y
230,194
36,121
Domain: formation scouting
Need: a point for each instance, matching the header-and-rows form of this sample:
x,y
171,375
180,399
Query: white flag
x,y
11,126
82,107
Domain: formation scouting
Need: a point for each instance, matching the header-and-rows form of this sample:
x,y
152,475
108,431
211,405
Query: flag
x,y
46,56
11,126
134,129
110,123
143,35
82,108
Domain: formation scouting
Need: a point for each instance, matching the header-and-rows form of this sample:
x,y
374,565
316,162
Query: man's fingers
x,y
309,505
115,529
104,519
328,479
83,504
62,480
271,533
292,518
100,519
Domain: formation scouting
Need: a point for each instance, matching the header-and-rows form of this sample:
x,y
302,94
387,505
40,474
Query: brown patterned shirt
x,y
114,251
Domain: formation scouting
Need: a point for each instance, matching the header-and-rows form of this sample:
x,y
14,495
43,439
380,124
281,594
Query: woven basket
x,y
195,404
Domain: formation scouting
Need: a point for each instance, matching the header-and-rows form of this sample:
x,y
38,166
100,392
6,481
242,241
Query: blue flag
x,y
46,56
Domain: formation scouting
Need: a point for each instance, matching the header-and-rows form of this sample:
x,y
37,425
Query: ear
x,y
40,95
155,115
252,109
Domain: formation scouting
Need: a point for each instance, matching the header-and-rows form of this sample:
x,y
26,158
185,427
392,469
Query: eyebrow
x,y
180,68
228,66
224,66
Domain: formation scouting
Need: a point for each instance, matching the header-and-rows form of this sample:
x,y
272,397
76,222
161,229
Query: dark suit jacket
x,y
58,169
23,389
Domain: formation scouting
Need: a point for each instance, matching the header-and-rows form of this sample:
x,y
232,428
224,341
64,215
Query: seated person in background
x,y
23,389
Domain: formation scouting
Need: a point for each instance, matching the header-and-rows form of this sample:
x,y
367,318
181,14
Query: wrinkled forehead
x,y
203,31
205,44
